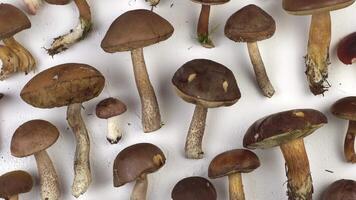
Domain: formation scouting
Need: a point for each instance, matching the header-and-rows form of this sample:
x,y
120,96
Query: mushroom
x,y
14,56
287,130
194,188
111,109
232,163
346,51
252,24
207,84
33,138
317,58
134,163
132,31
14,183
69,85
340,190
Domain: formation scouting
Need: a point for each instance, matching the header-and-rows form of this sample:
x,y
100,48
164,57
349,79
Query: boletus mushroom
x,y
134,163
69,85
346,51
207,84
287,130
194,188
33,138
340,190
14,183
132,31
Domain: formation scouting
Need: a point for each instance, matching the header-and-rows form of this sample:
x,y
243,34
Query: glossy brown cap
x,y
110,107
346,50
135,161
307,7
58,2
12,21
211,2
14,183
63,85
32,137
250,24
194,188
283,127
136,29
206,83
340,190
345,108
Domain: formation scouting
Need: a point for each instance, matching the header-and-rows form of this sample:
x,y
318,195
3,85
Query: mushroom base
x,y
203,27
349,146
33,5
236,191
114,131
140,190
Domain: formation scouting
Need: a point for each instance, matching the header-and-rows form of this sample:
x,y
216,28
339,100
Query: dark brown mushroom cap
x,y
346,50
307,7
58,2
250,24
14,183
340,190
206,83
136,29
345,108
110,107
211,2
135,161
234,161
63,85
32,137
283,127
194,188
12,21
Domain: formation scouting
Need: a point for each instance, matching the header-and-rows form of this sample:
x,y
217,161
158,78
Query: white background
x,y
282,54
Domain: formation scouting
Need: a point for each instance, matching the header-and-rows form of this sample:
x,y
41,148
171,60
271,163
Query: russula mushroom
x,y
33,138
287,130
14,57
194,188
132,31
111,109
207,84
231,164
134,163
346,51
340,190
252,24
14,183
69,85
317,58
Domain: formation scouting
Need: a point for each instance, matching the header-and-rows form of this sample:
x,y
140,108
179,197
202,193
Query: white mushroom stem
x,y
33,5
15,197
114,130
236,188
10,62
82,174
140,190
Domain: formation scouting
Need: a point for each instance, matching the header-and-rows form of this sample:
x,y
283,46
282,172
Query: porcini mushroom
x,y
111,109
346,51
33,138
287,130
340,190
134,163
207,84
232,163
252,24
69,85
132,31
194,188
14,183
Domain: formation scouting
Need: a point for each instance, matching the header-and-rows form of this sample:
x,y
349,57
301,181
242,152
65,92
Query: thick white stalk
x,y
114,131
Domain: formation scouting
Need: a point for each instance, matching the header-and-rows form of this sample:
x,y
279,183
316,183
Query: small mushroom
x,y
111,109
134,163
14,183
340,190
346,51
207,84
132,31
252,24
33,138
287,130
194,188
232,163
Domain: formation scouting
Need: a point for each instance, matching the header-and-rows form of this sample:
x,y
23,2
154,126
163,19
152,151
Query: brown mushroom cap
x,y
194,188
15,182
136,29
340,190
211,2
110,107
307,7
346,50
63,85
12,21
283,127
135,161
58,2
207,83
345,108
32,137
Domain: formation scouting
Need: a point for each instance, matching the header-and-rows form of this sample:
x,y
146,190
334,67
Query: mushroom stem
x,y
317,59
140,190
151,117
33,5
114,131
48,177
82,174
349,147
193,145
300,184
203,27
153,2
236,188
10,62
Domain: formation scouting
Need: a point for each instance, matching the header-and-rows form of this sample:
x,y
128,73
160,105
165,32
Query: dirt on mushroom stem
x,y
203,27
349,147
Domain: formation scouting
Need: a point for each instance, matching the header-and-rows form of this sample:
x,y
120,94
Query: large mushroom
x,y
207,84
132,31
14,183
194,188
340,190
69,85
346,50
287,130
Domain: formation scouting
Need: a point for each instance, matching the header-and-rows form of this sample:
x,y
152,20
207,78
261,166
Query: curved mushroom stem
x,y
15,197
33,5
114,131
10,62
349,147
151,117
140,190
236,188
82,174
48,177
317,59
203,27
153,2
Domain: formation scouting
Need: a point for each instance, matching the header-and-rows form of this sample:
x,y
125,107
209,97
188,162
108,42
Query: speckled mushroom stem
x,y
10,62
203,27
236,188
114,131
151,117
317,59
349,147
140,189
82,174
15,197
33,5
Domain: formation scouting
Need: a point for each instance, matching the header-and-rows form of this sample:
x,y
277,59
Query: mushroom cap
x,y
194,188
58,2
135,161
234,161
63,85
14,183
136,29
32,137
282,127
110,107
206,83
345,108
250,24
307,7
346,51
340,190
210,2
12,21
